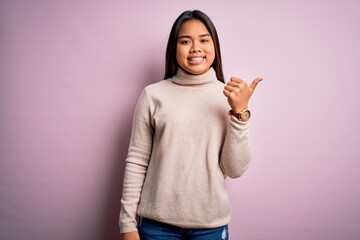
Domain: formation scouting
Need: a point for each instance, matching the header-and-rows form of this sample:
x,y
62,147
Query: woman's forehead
x,y
193,27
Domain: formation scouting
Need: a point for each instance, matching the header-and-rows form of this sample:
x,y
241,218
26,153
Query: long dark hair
x,y
171,64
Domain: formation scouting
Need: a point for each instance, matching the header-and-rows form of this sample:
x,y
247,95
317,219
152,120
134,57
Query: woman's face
x,y
195,51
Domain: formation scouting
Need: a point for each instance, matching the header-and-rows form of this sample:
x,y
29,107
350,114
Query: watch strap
x,y
239,116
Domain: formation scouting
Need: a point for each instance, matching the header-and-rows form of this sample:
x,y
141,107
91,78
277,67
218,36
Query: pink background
x,y
71,72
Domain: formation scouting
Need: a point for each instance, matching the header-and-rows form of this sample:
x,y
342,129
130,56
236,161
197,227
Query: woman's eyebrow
x,y
188,36
205,35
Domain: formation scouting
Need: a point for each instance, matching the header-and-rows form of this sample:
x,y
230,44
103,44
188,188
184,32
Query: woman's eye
x,y
204,40
185,42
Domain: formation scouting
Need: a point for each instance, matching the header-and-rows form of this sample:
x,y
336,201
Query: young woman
x,y
185,141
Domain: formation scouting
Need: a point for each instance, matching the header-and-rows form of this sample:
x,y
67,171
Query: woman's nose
x,y
195,48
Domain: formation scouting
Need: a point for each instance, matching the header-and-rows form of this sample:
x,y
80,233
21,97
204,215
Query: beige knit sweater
x,y
182,146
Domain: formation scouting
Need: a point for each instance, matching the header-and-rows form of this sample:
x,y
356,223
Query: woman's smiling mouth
x,y
196,60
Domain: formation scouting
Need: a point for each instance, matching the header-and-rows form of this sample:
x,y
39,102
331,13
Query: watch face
x,y
245,116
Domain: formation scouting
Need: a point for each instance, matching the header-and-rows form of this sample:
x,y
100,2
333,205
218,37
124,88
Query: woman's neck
x,y
184,78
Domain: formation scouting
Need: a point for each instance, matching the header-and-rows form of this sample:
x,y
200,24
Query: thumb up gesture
x,y
238,93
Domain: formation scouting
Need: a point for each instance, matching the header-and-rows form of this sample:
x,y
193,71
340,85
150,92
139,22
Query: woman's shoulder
x,y
160,85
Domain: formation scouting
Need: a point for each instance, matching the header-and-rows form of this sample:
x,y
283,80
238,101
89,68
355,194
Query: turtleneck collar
x,y
187,79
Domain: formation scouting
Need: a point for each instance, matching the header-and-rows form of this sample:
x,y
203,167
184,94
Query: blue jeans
x,y
154,230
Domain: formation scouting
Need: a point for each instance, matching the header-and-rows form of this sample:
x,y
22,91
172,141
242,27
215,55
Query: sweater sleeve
x,y
136,164
236,154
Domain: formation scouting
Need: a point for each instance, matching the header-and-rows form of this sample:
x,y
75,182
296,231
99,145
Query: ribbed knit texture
x,y
182,146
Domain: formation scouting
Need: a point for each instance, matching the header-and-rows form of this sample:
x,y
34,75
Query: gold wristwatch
x,y
243,116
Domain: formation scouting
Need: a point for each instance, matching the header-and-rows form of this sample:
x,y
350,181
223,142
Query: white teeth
x,y
196,59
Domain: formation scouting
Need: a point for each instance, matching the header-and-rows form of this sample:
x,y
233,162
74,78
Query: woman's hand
x,y
130,236
238,93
